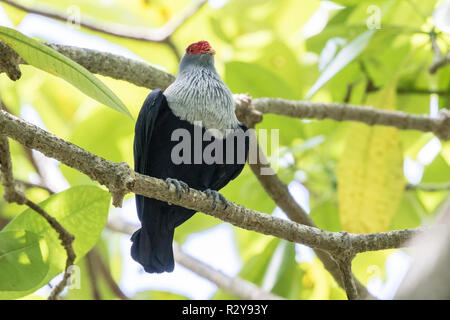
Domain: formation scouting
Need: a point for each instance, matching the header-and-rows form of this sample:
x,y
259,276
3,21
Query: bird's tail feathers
x,y
152,244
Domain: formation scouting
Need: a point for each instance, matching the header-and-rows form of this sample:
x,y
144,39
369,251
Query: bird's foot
x,y
180,186
216,197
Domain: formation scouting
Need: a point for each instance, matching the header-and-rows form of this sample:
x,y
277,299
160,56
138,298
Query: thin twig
x,y
106,273
443,61
90,265
66,240
235,286
160,34
429,187
12,194
29,185
232,285
439,60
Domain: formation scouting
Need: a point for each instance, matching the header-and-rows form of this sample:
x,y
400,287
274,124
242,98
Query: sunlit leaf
x,y
22,263
346,55
51,61
370,172
81,210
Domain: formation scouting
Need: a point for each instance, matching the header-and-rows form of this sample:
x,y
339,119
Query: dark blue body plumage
x,y
152,244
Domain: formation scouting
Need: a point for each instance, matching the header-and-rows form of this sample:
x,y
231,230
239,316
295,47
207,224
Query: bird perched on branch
x,y
190,136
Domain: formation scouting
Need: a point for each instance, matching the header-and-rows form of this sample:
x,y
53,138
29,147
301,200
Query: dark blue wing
x,y
143,132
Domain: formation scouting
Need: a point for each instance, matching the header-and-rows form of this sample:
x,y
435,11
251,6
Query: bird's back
x,y
153,154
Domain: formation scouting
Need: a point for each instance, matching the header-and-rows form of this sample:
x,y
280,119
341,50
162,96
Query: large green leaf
x,y
81,210
21,261
343,58
51,61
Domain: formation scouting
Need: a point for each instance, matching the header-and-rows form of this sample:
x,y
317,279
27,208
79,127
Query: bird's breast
x,y
204,101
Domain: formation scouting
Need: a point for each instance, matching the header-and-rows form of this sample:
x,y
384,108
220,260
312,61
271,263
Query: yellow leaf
x,y
370,172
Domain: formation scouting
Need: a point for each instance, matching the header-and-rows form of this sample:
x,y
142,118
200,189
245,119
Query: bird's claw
x,y
180,186
216,197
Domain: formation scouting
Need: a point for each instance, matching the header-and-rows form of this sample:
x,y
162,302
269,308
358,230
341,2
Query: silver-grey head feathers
x,y
199,94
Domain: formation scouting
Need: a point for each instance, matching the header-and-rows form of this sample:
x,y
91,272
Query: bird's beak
x,y
211,51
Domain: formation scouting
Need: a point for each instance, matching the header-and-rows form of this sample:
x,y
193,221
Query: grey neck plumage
x,y
199,94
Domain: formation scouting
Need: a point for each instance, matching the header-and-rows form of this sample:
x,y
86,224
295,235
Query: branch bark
x,y
142,74
440,126
120,179
280,194
429,187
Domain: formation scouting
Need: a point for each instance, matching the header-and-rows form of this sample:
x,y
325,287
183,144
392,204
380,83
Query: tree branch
x,y
160,34
142,74
439,60
235,286
344,112
92,274
439,63
106,273
429,187
280,194
12,194
120,179
348,279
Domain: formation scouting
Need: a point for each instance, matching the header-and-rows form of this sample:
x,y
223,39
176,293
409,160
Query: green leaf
x,y
436,172
53,62
21,261
289,275
326,216
257,80
410,214
343,58
81,210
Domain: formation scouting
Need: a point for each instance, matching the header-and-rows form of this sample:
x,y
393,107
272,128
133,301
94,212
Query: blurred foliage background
x,y
286,48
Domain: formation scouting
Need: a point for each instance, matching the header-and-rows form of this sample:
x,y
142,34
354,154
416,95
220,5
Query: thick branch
x,y
107,64
343,112
120,179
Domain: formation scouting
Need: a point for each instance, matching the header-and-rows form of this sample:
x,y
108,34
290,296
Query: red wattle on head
x,y
201,47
